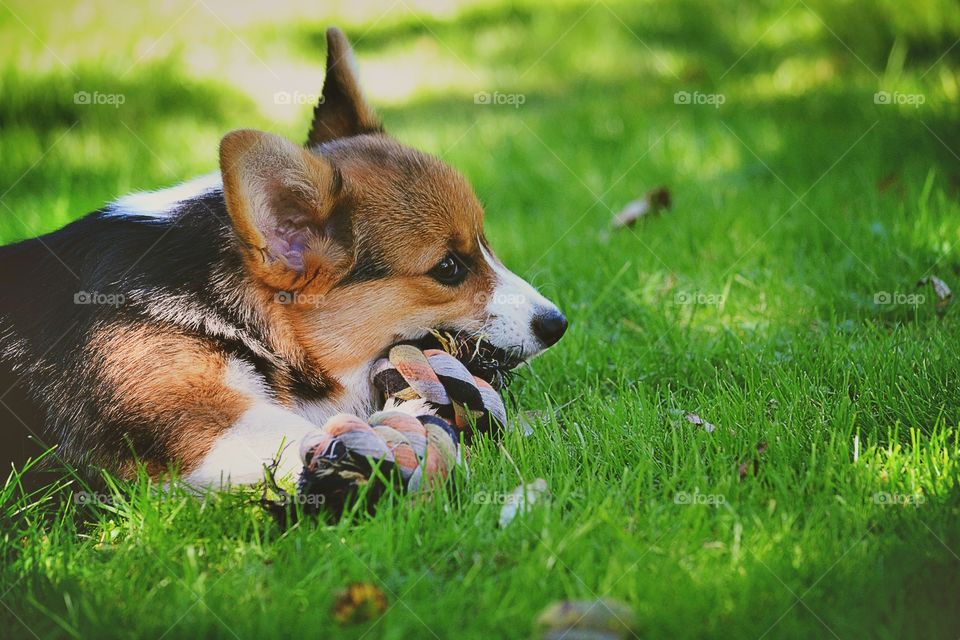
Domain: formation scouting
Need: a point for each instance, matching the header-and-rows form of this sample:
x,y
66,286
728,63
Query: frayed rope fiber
x,y
392,447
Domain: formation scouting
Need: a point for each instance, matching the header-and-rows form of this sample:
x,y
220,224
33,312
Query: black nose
x,y
549,326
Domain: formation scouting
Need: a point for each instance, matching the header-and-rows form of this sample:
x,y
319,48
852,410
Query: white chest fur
x,y
268,431
357,398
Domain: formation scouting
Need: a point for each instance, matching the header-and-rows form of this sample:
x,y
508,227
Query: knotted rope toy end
x,y
349,457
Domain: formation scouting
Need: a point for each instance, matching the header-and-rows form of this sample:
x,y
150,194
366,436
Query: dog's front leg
x,y
264,433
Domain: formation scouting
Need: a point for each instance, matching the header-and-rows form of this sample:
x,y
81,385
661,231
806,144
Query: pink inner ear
x,y
289,244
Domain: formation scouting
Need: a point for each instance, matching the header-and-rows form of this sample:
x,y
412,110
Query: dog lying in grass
x,y
204,326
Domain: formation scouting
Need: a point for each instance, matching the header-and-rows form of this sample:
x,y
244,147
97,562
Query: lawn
x,y
777,299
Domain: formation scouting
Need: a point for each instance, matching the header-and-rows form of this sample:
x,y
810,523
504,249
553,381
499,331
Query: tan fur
x,y
363,320
407,208
343,110
159,378
271,184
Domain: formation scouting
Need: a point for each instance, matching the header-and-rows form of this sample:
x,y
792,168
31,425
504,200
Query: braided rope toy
x,y
457,385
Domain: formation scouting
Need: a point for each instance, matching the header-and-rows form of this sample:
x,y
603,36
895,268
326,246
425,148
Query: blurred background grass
x,y
598,80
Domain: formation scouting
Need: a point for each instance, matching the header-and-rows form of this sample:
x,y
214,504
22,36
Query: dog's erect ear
x,y
342,111
282,201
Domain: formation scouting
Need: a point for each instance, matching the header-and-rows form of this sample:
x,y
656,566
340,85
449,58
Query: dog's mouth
x,y
484,360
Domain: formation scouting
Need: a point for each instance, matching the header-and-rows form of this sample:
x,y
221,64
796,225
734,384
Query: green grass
x,y
780,233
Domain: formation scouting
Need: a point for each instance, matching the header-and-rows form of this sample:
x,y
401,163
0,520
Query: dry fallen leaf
x,y
652,203
359,602
954,183
603,619
693,418
522,499
744,468
940,288
891,182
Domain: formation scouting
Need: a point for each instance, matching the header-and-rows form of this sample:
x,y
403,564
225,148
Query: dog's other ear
x,y
282,201
342,110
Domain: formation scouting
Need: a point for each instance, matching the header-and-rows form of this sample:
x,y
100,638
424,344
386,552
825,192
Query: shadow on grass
x,y
808,73
709,44
92,97
69,139
711,31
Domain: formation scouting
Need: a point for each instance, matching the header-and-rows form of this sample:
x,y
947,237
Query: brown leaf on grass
x,y
603,619
359,602
955,183
940,288
891,182
652,203
693,418
744,468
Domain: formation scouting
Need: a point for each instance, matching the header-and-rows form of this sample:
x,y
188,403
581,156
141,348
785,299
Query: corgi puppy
x,y
206,326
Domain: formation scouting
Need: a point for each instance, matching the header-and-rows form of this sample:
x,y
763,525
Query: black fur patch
x,y
366,268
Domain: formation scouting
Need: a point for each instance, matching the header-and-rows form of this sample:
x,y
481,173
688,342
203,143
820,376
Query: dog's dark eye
x,y
450,271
